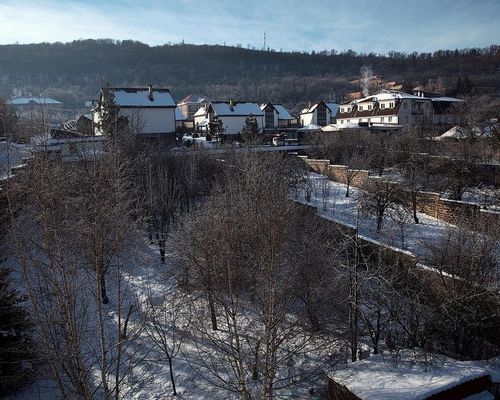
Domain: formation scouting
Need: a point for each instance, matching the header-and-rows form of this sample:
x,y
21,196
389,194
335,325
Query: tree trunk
x,y
379,221
104,296
414,204
348,187
211,306
172,375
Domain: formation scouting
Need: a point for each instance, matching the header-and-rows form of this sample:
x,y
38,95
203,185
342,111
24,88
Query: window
x,y
369,106
269,119
382,119
341,121
382,105
405,104
390,119
369,120
391,105
341,110
321,116
348,120
407,119
360,108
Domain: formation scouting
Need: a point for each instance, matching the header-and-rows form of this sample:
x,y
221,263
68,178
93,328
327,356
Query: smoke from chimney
x,y
365,80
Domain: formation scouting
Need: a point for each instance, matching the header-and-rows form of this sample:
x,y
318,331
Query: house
x,y
149,111
276,116
319,113
392,107
384,377
180,118
190,104
28,103
232,114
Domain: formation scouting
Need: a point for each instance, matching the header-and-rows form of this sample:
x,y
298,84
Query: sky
x,y
305,25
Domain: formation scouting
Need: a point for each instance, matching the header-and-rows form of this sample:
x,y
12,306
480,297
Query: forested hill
x,y
73,72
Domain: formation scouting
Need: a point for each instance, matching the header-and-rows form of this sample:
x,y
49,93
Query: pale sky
x,y
361,25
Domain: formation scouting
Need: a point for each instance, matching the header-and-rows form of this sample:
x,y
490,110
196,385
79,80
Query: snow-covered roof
x,y
194,98
139,97
460,132
20,101
447,99
333,107
385,378
238,109
310,127
179,116
282,112
201,111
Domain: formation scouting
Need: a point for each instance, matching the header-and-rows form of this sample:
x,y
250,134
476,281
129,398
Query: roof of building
x,y
139,97
179,116
200,112
383,377
24,100
194,98
223,108
333,107
282,111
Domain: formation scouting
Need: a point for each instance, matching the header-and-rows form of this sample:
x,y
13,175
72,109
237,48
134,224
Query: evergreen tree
x,y
16,351
250,132
111,123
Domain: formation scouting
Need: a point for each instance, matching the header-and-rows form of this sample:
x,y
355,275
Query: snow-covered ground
x,y
149,378
400,232
11,155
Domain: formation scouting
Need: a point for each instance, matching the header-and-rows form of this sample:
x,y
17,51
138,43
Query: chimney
x,y
231,104
150,92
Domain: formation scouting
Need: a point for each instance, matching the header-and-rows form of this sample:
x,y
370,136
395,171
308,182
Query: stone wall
x,y
461,213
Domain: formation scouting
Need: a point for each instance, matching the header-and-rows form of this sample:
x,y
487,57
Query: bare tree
x,y
166,320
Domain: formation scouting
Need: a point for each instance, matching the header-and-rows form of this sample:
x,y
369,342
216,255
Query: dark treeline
x,y
74,71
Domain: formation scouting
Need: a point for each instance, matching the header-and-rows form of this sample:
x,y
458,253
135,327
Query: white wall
x,y
308,119
151,120
234,124
146,120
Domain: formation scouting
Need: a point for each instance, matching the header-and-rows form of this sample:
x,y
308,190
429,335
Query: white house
x,y
320,114
276,116
392,107
232,114
149,111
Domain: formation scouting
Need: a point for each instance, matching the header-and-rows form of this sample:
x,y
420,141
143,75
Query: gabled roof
x,y
194,98
201,111
333,107
222,108
139,97
282,111
24,100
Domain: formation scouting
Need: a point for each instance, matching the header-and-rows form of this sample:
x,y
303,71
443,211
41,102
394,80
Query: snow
x,y
334,107
382,377
179,116
238,109
19,101
447,99
282,112
310,127
400,231
11,155
201,111
140,98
